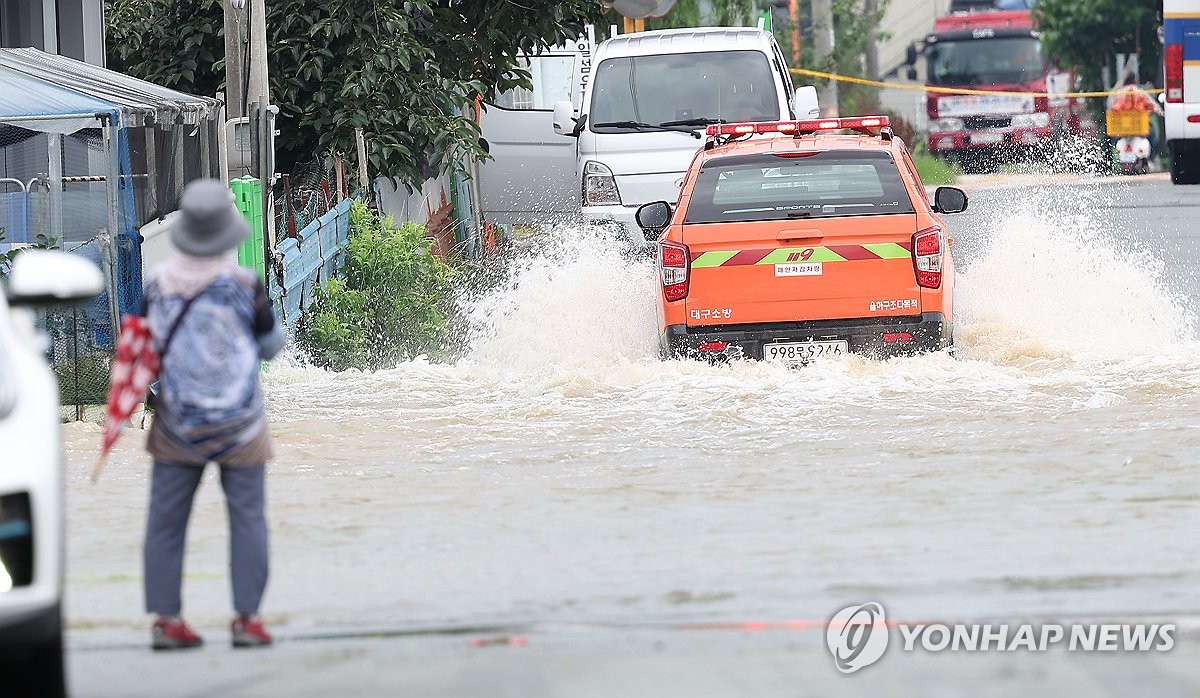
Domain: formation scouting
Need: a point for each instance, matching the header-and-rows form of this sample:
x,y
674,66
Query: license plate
x,y
801,352
987,138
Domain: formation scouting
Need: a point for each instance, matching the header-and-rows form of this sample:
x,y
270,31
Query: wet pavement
x,y
597,661
560,483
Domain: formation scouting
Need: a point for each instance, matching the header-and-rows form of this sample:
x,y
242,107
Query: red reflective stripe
x,y
747,257
853,252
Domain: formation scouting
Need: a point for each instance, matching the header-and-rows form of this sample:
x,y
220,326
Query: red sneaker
x,y
250,632
173,634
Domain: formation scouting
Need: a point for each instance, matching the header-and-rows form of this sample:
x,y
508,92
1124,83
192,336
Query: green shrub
x,y
933,170
391,302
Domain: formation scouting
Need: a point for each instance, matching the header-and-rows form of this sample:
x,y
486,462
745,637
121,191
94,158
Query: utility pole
x,y
823,41
245,55
794,13
248,103
871,9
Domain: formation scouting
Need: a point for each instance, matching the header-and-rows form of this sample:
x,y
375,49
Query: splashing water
x,y
1051,302
577,301
1055,283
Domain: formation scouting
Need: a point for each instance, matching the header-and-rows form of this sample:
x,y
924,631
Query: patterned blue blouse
x,y
209,405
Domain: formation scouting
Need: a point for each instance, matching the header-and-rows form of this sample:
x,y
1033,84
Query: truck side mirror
x,y
564,118
653,218
912,73
804,103
910,54
949,200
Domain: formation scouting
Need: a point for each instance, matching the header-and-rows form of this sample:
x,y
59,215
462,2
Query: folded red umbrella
x,y
134,368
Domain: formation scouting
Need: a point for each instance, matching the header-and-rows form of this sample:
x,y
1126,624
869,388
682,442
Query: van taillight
x,y
927,257
1173,72
675,266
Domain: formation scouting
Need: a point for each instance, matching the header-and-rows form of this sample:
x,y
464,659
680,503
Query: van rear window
x,y
799,185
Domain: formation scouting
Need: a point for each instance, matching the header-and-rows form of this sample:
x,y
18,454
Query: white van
x,y
651,96
1181,70
606,129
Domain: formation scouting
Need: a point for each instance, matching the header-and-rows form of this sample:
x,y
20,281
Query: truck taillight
x,y
675,267
1173,72
927,257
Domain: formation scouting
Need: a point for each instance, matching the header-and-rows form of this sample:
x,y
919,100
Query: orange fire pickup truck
x,y
792,240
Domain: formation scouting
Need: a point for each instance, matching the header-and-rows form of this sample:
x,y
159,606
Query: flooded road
x,y
559,472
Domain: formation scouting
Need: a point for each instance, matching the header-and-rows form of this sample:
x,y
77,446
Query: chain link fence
x,y
303,196
56,195
81,338
81,342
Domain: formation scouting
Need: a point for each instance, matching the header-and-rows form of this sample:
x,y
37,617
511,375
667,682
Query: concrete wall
x,y
73,28
906,21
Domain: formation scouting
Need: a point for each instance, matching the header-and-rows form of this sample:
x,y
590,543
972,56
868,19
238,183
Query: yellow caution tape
x,y
951,90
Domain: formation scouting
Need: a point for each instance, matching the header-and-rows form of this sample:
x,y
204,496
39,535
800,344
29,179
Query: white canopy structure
x,y
87,155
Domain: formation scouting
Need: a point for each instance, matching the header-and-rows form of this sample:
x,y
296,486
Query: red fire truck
x,y
980,46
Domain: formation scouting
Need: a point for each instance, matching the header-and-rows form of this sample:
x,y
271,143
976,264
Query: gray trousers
x,y
172,488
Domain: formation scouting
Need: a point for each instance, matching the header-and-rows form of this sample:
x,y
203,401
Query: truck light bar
x,y
857,123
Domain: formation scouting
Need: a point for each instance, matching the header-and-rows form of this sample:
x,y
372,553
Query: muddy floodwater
x,y
560,472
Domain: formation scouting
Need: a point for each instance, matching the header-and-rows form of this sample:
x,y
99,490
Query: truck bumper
x,y
872,337
982,141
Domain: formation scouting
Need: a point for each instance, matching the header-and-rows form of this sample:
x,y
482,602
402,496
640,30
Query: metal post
x,y
339,173
55,153
109,131
49,26
262,116
364,183
75,351
205,155
288,215
153,175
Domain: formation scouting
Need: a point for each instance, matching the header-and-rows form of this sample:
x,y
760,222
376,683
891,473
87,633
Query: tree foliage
x,y
1087,34
400,69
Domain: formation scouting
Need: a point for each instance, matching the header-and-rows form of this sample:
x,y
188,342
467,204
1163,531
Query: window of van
x,y
551,83
730,85
803,185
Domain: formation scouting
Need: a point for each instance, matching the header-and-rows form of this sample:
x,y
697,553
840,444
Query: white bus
x,y
1181,70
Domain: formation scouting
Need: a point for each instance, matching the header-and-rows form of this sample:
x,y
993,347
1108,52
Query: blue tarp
x,y
41,106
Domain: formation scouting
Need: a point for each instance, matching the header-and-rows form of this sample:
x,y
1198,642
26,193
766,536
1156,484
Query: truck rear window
x,y
800,185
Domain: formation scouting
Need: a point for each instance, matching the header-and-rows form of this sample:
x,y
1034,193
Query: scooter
x,y
1133,154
